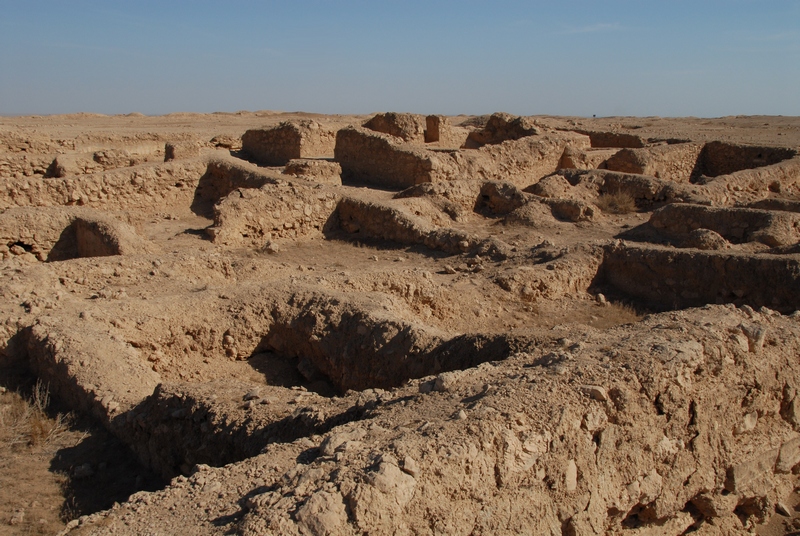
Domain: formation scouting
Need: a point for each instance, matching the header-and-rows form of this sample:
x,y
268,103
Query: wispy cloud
x,y
592,28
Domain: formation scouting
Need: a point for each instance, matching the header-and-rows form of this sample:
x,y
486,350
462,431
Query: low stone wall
x,y
499,128
601,139
226,174
322,171
284,210
377,221
750,185
574,158
180,150
675,162
645,190
408,127
383,160
521,162
669,278
148,187
458,199
62,233
734,224
276,146
441,131
722,158
73,163
571,274
786,205
24,165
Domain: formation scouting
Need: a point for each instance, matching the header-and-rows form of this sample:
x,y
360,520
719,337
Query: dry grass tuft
x,y
622,313
25,422
614,313
616,203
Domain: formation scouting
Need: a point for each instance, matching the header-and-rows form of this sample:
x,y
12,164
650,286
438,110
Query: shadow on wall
x,y
102,471
220,179
82,239
718,158
178,431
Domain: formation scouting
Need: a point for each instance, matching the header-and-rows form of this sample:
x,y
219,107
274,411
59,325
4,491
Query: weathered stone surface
x,y
722,158
499,128
788,456
734,224
408,127
322,171
181,149
162,185
287,209
605,139
384,160
705,239
277,145
750,477
440,130
670,162
323,514
61,233
686,278
574,158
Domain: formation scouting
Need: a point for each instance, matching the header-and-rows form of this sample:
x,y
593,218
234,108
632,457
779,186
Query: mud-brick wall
x,y
614,139
276,146
670,162
671,279
719,158
378,159
148,187
288,210
735,224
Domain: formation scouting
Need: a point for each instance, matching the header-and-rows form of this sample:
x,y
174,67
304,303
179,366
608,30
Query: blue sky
x,y
635,57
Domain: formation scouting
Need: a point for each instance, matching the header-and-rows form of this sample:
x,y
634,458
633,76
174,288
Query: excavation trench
x,y
174,390
357,346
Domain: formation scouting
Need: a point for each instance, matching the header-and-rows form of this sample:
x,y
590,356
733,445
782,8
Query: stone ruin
x,y
287,141
408,325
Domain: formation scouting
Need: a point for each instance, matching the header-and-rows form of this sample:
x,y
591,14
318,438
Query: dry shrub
x,y
622,313
26,422
616,203
615,313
